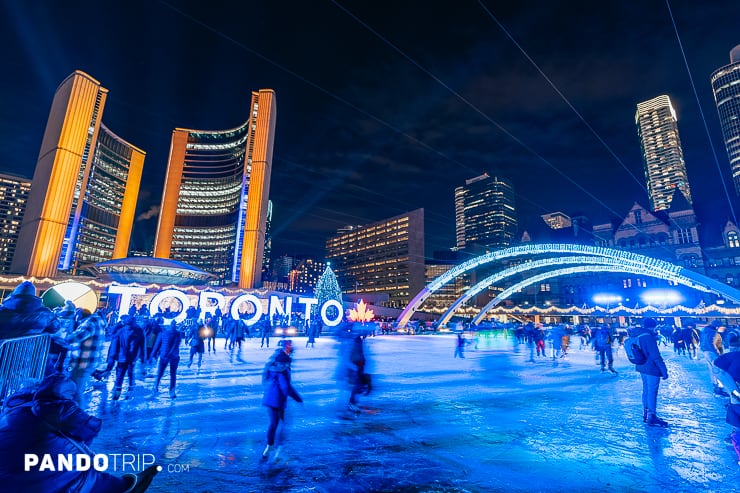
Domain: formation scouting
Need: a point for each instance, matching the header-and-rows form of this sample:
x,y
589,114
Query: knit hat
x,y
649,323
26,288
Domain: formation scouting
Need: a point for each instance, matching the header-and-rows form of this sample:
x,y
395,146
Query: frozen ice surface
x,y
493,421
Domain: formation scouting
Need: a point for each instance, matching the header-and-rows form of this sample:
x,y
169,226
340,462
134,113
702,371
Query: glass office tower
x,y
215,200
83,194
485,213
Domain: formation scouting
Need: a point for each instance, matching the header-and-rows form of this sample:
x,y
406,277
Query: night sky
x,y
387,106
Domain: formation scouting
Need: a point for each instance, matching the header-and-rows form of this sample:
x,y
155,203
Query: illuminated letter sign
x,y
247,298
205,305
309,302
338,306
170,293
126,292
206,298
275,307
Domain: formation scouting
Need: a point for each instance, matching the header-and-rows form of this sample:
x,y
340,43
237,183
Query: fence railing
x,y
22,361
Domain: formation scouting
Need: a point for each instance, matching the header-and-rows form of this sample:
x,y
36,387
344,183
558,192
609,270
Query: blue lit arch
x,y
533,265
621,261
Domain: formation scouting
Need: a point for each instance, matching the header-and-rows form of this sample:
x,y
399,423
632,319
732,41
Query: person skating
x,y
651,371
195,340
167,348
459,346
710,343
276,379
126,347
603,345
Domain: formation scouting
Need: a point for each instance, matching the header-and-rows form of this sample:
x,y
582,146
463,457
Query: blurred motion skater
x,y
460,346
710,342
195,340
359,381
276,379
167,348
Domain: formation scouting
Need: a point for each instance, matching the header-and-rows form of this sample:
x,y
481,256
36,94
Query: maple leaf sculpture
x,y
362,314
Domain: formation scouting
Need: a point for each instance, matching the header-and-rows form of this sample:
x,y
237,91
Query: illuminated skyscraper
x,y
726,88
662,155
382,257
13,198
214,204
83,194
485,213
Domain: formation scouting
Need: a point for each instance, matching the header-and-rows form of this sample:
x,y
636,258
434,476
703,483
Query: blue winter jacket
x,y
654,364
167,346
277,383
128,342
25,315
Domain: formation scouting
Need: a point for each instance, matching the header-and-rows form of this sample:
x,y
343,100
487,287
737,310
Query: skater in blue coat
x,y
651,371
278,387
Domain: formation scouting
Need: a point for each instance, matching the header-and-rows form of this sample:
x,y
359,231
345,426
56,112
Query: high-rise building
x,y
383,257
665,169
84,190
726,88
214,204
485,212
305,274
13,199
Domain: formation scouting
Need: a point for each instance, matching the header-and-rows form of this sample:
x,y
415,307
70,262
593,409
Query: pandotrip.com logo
x,y
123,463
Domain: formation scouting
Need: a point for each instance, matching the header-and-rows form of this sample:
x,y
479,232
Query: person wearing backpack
x,y
603,345
651,371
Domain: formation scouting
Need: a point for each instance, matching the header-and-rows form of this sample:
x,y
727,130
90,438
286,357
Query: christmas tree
x,y
327,288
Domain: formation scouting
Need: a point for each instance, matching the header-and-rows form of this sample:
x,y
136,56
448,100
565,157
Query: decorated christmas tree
x,y
327,288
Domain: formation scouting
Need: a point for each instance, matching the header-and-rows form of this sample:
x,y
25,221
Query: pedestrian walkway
x,y
490,422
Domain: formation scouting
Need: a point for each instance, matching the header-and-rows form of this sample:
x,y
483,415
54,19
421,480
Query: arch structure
x,y
580,258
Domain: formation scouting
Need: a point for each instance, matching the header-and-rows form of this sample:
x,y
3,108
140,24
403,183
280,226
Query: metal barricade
x,y
22,362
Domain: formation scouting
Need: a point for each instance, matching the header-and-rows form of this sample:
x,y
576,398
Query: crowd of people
x,y
136,343
716,343
144,342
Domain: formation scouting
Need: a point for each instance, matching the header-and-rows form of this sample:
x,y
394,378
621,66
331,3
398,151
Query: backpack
x,y
633,350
